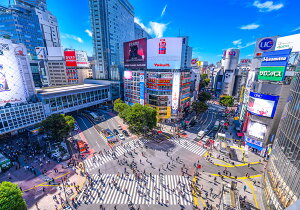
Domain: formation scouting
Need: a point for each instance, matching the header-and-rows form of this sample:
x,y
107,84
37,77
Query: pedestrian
x,y
245,187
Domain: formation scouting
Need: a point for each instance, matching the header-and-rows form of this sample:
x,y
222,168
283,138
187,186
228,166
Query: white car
x,y
121,136
205,139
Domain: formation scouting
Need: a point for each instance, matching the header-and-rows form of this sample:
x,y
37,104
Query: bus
x,y
216,126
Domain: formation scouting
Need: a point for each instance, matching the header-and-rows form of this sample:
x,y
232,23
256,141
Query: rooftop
x,y
64,89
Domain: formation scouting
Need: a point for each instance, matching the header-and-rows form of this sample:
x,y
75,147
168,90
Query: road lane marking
x,y
253,193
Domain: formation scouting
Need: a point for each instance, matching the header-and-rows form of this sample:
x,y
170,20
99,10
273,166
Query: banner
x,y
135,54
175,92
70,57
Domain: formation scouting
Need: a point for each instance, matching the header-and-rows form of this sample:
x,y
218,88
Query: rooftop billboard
x,y
289,42
273,65
164,53
82,59
70,57
135,54
265,44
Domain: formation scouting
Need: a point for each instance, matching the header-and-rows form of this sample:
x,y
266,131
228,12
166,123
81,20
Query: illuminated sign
x,y
266,44
142,88
175,92
135,54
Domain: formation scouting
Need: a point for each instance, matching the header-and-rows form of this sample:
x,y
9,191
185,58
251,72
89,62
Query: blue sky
x,y
212,25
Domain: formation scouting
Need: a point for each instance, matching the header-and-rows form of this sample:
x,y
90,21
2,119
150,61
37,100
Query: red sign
x,y
70,57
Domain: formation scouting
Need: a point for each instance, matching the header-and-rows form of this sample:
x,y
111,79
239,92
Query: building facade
x,y
57,73
112,24
282,178
140,33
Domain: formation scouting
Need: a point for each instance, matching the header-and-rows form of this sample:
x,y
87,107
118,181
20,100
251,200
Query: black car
x,y
116,131
125,133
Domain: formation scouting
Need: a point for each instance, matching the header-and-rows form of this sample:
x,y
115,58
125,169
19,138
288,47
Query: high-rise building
x,y
282,178
112,24
140,33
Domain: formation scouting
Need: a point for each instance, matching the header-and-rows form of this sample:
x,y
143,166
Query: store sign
x,y
252,141
289,42
175,92
82,59
245,62
262,105
164,53
265,44
70,57
273,65
142,88
135,54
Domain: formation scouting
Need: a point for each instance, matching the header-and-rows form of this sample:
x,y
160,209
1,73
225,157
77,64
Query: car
x,y
125,133
120,127
116,131
121,136
205,139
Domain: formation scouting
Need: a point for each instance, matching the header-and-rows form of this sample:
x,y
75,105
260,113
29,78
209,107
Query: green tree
x,y
226,101
199,106
11,197
204,76
57,126
118,101
140,118
204,96
120,107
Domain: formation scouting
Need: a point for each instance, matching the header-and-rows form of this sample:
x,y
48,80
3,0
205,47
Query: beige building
x,y
57,73
84,73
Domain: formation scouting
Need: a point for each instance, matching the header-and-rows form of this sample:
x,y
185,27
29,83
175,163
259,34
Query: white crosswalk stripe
x,y
98,160
127,189
192,147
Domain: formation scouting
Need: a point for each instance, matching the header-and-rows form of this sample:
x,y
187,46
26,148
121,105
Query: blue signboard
x,y
142,88
266,44
276,58
254,143
262,105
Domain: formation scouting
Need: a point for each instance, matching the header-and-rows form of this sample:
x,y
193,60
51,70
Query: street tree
x,y
11,197
140,117
227,101
57,126
204,96
199,106
118,101
120,107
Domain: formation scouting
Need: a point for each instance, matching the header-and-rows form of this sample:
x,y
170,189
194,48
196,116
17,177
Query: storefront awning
x,y
254,146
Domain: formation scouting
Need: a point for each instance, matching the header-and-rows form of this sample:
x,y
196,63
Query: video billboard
x,y
175,92
82,59
41,53
273,65
142,88
135,54
262,105
164,53
70,57
256,129
289,42
265,44
12,87
127,74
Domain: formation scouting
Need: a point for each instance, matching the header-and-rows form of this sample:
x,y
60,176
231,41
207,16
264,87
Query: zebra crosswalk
x,y
192,147
100,159
157,189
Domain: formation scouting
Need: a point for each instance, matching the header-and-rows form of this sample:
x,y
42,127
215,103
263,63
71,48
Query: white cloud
x,y
158,28
138,21
296,29
237,42
246,45
155,28
250,26
70,36
163,11
267,6
89,32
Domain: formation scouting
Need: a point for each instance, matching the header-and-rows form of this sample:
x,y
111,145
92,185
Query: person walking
x,y
245,187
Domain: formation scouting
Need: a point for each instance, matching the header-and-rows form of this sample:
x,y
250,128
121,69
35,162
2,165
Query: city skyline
x,y
266,18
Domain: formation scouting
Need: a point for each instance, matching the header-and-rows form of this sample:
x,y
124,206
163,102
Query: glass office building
x,y
282,178
22,25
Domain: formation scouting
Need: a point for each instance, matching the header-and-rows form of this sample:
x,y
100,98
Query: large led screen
x,y
262,105
164,53
135,54
256,129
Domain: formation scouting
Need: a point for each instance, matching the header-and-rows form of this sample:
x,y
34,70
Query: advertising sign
x,y
194,62
142,88
127,74
70,57
289,42
135,54
252,141
175,92
12,87
264,45
273,65
164,53
41,53
256,129
250,79
82,59
245,62
262,105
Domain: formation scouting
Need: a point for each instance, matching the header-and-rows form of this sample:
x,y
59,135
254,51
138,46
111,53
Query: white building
x,y
112,25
